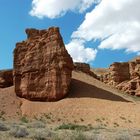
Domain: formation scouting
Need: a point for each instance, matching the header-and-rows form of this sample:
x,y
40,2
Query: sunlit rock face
x,y
124,76
42,66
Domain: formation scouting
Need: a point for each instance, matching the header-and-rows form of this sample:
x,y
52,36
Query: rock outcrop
x,y
6,78
84,67
124,76
42,66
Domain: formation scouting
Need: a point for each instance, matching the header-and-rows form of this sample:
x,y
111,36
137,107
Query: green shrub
x,y
24,119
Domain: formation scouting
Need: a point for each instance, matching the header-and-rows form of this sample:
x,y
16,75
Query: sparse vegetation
x,y
98,120
58,119
42,119
48,116
39,131
81,119
24,119
129,121
2,113
123,118
37,124
123,136
19,131
74,127
116,124
79,136
42,134
3,127
103,118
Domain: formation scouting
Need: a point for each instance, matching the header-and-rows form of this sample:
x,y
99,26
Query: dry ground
x,y
89,102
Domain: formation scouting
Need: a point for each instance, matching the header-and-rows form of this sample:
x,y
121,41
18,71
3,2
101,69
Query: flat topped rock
x,y
124,76
42,66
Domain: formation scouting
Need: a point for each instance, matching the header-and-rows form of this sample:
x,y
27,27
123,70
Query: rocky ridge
x,y
124,76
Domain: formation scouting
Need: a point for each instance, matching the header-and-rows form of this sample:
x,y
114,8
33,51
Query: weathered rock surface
x,y
42,66
124,76
6,78
84,67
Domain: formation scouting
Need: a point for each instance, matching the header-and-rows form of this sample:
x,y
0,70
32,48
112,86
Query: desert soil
x,y
90,102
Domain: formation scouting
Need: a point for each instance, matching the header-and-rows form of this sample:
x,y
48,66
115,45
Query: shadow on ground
x,y
79,89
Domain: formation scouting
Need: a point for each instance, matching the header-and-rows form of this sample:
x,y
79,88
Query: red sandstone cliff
x,y
42,66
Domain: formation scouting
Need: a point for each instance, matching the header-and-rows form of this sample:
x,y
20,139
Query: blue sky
x,y
73,21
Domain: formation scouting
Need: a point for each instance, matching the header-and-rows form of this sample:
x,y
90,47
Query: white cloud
x,y
115,22
79,52
57,8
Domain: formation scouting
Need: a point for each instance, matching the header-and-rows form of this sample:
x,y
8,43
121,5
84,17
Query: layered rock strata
x,y
84,67
42,66
124,76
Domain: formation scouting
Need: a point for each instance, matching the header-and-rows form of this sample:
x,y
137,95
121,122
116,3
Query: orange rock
x,y
42,66
124,76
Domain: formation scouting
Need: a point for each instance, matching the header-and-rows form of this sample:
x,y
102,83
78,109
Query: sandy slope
x,y
9,104
89,102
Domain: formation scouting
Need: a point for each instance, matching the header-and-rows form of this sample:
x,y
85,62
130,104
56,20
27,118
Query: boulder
x,y
42,66
6,78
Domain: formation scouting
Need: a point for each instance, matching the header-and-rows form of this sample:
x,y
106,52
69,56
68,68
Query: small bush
x,y
124,136
42,135
129,121
37,124
81,119
24,119
80,136
74,127
19,132
116,124
48,116
3,127
98,120
123,118
2,113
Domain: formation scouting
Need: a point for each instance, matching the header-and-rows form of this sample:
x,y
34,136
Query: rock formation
x,y
124,76
6,78
84,67
42,66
